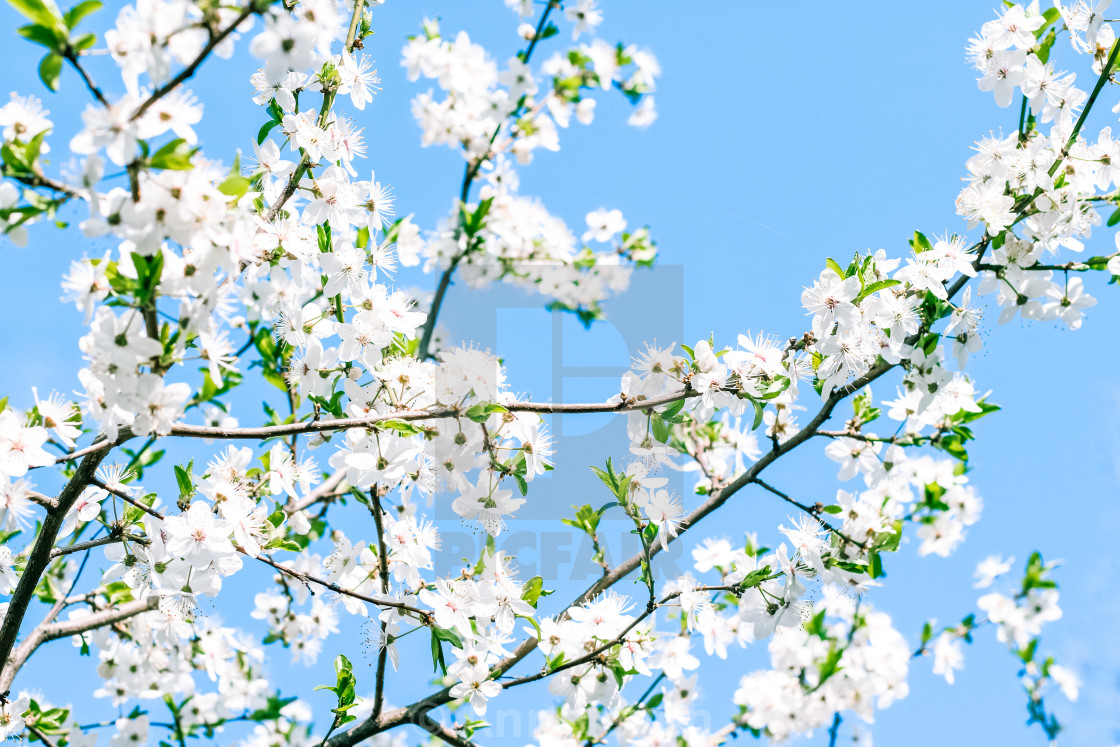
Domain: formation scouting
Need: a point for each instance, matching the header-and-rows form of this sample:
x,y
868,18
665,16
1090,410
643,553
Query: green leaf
x,y
83,42
272,710
449,636
283,544
487,550
481,413
862,410
38,12
274,377
670,412
50,67
184,476
438,662
174,156
1098,263
14,157
952,444
1049,16
607,478
831,664
43,35
118,592
834,266
474,222
876,564
920,243
211,390
75,15
758,413
756,577
266,128
236,186
876,287
134,514
400,426
532,590
343,689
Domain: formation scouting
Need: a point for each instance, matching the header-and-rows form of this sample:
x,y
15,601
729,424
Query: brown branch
x,y
619,638
127,498
425,616
814,511
50,631
109,539
383,571
43,500
40,556
324,492
39,735
324,111
108,616
189,71
125,434
338,424
71,56
437,729
423,351
39,180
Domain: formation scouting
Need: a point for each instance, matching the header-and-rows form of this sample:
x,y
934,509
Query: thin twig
x,y
189,71
383,572
424,615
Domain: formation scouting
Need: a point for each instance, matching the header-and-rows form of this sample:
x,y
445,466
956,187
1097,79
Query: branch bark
x,y
189,71
40,556
47,631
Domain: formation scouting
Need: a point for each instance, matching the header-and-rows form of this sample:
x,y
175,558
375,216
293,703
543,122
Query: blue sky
x,y
784,136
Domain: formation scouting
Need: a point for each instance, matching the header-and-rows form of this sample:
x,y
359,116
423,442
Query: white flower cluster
x,y
857,661
24,438
297,254
489,114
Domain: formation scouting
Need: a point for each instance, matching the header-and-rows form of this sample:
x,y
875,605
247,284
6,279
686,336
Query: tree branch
x,y
71,57
425,616
383,571
189,71
40,555
108,539
814,511
48,631
328,102
108,616
338,424
437,729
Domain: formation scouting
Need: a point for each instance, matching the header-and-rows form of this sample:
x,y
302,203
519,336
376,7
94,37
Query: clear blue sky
x,y
785,135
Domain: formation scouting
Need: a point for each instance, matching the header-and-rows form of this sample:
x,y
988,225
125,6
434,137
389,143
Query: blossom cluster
x,y
287,267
